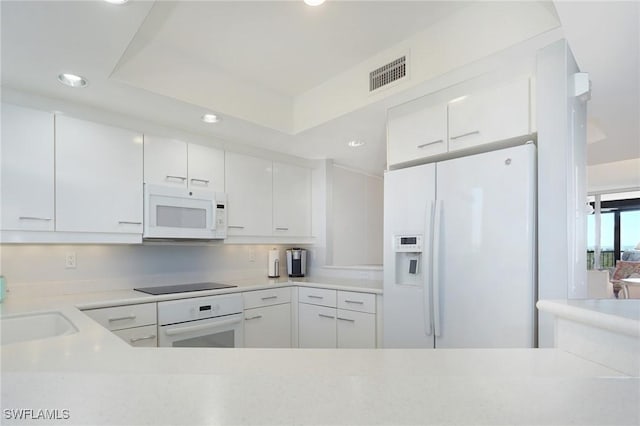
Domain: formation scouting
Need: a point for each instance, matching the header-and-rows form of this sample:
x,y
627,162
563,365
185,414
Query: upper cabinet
x,y
493,114
172,162
206,167
432,126
291,200
98,178
417,129
27,169
267,199
249,183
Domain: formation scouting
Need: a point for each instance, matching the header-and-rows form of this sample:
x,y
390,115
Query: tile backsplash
x,y
42,269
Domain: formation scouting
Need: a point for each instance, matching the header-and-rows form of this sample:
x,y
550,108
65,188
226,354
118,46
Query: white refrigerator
x,y
459,252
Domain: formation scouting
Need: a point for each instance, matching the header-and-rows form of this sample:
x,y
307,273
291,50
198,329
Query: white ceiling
x,y
286,46
272,50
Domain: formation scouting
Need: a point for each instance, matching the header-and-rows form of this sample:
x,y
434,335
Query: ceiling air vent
x,y
388,73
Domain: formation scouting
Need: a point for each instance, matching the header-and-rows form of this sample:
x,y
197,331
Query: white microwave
x,y
182,214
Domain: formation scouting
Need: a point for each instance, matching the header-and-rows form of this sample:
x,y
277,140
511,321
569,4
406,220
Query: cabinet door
x,y
205,168
248,182
490,115
98,178
165,161
291,200
268,327
356,329
27,169
140,337
316,326
416,130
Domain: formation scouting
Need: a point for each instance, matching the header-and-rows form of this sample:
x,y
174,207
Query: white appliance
x,y
178,213
459,252
201,322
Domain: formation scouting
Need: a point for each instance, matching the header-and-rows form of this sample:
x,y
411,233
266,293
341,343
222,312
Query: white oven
x,y
179,213
201,322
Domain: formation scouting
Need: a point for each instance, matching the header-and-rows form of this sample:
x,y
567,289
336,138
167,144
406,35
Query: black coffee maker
x,y
296,262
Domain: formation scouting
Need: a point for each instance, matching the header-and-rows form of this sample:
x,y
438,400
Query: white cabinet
x,y
355,329
493,114
291,200
206,168
459,119
415,130
267,318
317,326
135,324
140,337
248,183
321,325
165,161
27,169
98,178
175,163
268,327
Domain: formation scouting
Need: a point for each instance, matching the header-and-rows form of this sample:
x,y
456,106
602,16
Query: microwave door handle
x,y
174,331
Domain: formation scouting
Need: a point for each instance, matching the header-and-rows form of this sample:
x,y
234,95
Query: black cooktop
x,y
181,288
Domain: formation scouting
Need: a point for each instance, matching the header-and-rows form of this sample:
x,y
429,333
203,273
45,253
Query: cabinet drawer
x,y
146,336
317,296
258,298
120,317
354,301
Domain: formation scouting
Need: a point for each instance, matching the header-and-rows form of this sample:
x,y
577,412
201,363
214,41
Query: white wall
x,y
561,120
357,205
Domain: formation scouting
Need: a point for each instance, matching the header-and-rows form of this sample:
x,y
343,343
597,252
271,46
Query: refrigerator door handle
x,y
426,290
437,224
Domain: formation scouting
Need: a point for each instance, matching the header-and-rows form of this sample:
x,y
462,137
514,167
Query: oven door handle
x,y
174,331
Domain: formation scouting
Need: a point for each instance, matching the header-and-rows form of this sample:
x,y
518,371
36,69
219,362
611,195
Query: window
x,y
619,230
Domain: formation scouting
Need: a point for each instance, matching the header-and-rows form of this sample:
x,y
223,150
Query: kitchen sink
x,y
34,326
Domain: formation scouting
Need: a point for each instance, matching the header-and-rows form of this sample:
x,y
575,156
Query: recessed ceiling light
x,y
355,144
210,118
116,1
73,80
313,2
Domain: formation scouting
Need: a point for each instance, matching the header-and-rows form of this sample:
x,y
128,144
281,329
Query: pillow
x,y
625,269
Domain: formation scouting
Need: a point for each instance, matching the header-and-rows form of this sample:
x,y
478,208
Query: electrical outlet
x,y
252,254
70,260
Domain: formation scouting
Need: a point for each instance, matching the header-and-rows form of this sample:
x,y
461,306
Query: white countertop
x,y
617,315
102,380
100,299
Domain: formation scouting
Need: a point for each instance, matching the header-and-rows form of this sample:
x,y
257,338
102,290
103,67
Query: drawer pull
x,y
269,297
346,319
205,181
252,318
313,296
137,339
326,316
235,226
182,178
355,302
34,218
475,132
282,229
128,317
430,143
126,222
